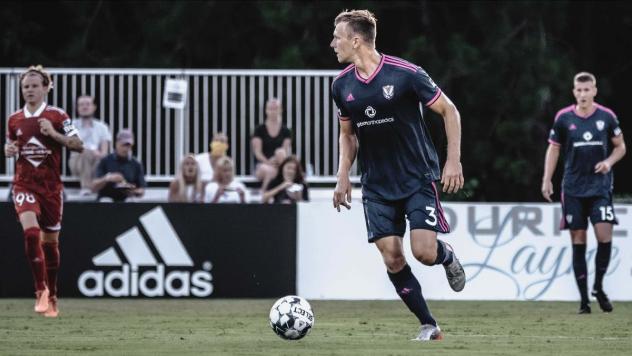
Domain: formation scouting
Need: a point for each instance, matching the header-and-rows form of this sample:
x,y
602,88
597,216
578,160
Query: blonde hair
x,y
583,77
198,186
361,22
222,161
47,81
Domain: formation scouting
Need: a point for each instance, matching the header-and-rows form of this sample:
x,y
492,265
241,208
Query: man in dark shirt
x,y
378,99
592,142
119,175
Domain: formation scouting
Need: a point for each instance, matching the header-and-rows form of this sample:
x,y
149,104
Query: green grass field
x,y
240,327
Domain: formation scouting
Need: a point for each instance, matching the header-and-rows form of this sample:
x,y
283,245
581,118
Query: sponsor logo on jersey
x,y
156,278
370,112
600,125
375,122
350,97
388,91
587,136
35,152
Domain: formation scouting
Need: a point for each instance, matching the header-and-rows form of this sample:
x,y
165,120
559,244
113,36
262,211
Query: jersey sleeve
x,y
557,132
425,88
141,176
343,113
11,134
65,125
614,129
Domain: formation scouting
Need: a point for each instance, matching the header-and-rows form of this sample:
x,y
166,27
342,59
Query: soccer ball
x,y
291,317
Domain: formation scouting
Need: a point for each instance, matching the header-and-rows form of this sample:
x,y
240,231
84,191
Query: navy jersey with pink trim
x,y
396,155
585,141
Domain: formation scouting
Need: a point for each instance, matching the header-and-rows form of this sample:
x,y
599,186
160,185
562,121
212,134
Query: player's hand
x,y
602,167
342,193
46,127
11,149
452,177
547,190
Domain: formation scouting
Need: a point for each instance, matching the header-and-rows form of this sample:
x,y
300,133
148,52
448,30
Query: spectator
x,y
119,174
271,143
96,139
289,186
206,160
187,186
223,188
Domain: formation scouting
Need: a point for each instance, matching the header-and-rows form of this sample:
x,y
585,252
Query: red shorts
x,y
48,207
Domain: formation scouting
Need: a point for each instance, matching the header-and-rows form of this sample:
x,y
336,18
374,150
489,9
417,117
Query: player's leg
x,y
51,224
28,209
575,218
603,219
385,227
265,173
426,218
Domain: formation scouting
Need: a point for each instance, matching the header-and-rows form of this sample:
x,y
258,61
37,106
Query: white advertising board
x,y
509,252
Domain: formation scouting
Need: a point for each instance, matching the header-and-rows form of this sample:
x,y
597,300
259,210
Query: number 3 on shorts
x,y
21,197
606,213
431,212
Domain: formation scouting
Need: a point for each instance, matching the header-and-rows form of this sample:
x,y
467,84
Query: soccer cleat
x,y
41,300
455,273
429,332
604,302
52,311
584,309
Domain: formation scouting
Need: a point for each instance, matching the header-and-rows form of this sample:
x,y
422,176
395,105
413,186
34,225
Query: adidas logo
x,y
350,97
154,279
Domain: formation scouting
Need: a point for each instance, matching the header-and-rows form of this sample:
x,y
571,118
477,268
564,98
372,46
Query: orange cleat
x,y
52,311
41,301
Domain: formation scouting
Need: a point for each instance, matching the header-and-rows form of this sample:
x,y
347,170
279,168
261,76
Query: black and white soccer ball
x,y
291,317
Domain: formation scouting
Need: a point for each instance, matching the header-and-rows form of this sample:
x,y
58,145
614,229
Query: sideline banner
x,y
162,250
509,251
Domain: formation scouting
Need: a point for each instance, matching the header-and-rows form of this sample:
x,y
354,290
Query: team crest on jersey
x,y
388,91
587,136
569,218
370,112
600,125
35,152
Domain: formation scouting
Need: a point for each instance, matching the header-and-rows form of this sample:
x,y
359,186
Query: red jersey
x,y
39,162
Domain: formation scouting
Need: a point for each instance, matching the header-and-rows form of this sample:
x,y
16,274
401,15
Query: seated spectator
x,y
206,160
187,187
96,139
119,175
289,186
266,141
223,188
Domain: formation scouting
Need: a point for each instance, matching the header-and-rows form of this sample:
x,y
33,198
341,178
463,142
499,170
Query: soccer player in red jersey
x,y
36,135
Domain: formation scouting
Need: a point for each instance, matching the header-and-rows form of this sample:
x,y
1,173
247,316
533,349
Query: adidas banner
x,y
162,251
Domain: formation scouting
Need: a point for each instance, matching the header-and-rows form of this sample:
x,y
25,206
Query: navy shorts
x,y
387,218
576,211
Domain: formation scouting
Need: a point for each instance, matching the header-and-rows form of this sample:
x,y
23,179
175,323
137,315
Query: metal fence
x,y
231,101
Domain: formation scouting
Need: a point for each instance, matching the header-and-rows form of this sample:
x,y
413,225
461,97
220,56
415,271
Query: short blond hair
x,y
38,70
361,22
583,77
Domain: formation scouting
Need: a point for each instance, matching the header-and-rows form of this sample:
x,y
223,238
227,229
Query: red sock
x,y
51,251
35,256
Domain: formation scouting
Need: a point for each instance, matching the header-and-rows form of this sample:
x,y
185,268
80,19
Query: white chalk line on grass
x,y
562,337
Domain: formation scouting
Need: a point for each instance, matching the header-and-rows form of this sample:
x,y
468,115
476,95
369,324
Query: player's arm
x,y
348,149
10,148
452,177
618,151
550,162
287,146
72,141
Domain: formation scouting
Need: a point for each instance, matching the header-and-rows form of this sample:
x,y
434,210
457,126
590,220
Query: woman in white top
x,y
224,188
187,186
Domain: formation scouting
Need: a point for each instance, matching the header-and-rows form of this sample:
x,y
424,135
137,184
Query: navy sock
x,y
409,290
601,263
581,271
444,255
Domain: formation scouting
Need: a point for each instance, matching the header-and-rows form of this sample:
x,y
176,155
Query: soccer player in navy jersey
x,y
378,99
592,142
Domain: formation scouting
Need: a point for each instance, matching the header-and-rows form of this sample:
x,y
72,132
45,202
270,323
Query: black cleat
x,y
604,302
584,309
